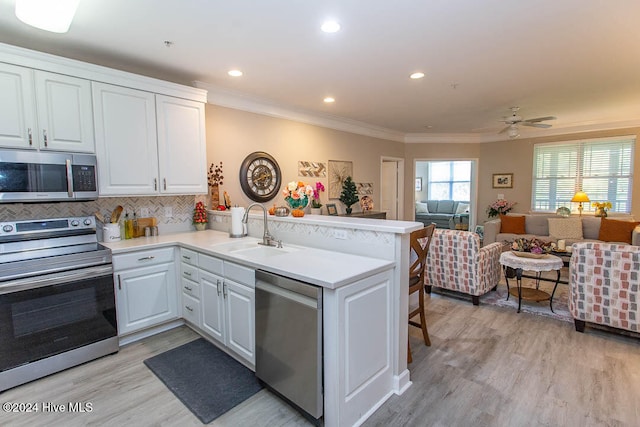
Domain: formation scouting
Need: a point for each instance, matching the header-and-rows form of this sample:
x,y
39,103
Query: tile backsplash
x,y
181,208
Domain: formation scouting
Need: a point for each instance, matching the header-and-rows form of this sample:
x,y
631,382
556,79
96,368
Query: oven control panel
x,y
16,228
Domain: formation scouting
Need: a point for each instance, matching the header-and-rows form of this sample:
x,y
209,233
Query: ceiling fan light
x,y
49,15
513,132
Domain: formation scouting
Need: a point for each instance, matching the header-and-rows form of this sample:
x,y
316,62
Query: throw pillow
x,y
565,228
462,208
512,224
422,208
612,230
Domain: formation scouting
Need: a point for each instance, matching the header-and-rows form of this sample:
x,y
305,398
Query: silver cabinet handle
x,y
186,257
218,287
188,308
224,289
186,273
188,288
30,137
146,258
119,283
155,184
44,134
165,182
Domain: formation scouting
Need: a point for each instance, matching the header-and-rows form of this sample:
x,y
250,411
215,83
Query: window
x,y
602,168
450,180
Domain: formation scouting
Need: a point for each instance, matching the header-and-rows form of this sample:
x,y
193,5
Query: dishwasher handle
x,y
290,289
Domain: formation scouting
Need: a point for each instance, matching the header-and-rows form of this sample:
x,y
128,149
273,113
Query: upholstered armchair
x,y
603,285
457,262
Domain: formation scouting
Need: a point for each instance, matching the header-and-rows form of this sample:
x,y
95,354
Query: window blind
x,y
602,168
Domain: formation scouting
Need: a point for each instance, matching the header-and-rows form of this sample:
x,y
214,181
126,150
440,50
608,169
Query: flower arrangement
x,y
535,246
297,194
315,202
499,207
601,208
200,214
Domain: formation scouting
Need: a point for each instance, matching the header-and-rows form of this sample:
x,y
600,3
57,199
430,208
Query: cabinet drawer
x,y
188,256
142,258
191,288
240,274
191,309
210,264
189,272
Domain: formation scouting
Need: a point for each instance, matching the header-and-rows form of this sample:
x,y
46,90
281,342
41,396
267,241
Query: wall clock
x,y
260,177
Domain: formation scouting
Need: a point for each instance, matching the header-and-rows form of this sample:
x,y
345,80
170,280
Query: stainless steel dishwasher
x,y
289,340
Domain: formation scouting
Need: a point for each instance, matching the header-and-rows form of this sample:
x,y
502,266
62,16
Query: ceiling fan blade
x,y
536,125
504,130
540,119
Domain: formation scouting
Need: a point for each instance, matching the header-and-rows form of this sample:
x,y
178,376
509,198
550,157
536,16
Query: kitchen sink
x,y
264,251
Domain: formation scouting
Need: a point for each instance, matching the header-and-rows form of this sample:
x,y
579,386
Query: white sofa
x,y
537,225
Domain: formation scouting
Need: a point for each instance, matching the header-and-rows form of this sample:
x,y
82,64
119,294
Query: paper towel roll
x,y
236,221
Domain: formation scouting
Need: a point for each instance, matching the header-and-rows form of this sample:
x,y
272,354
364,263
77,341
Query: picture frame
x,y
419,184
332,209
502,180
480,231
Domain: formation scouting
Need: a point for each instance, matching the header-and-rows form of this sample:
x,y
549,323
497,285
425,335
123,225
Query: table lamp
x,y
580,197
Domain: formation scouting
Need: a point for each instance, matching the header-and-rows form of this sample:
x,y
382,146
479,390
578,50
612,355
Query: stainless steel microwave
x,y
30,176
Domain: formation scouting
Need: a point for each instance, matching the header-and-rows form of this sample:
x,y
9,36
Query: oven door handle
x,y
53,279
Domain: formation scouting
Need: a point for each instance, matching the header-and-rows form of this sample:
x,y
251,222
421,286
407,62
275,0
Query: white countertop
x,y
329,269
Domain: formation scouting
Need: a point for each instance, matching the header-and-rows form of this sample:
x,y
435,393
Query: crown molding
x,y
224,97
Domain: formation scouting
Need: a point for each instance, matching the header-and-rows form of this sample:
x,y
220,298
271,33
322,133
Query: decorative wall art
x,y
502,180
365,188
339,170
312,169
418,184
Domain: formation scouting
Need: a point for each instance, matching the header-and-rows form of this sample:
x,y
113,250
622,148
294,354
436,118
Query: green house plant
x,y
349,194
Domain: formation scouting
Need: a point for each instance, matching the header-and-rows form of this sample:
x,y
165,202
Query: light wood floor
x,y
487,366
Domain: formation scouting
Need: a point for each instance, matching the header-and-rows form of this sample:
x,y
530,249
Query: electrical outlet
x,y
168,211
501,196
340,234
144,212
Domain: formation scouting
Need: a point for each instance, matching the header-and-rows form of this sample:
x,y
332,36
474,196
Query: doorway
x,y
444,181
391,187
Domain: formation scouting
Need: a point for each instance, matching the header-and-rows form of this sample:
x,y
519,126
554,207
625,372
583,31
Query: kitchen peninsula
x,y
362,266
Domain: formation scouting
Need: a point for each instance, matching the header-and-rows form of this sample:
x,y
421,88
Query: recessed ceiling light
x,y
235,73
329,100
54,16
417,75
330,27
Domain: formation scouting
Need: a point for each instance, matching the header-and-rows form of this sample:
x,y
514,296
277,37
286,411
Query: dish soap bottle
x,y
128,227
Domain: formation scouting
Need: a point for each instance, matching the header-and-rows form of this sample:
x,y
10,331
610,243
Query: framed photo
x,y
331,209
502,180
339,170
418,184
480,231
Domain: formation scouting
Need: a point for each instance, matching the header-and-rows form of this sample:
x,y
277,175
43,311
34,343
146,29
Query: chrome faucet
x,y
267,238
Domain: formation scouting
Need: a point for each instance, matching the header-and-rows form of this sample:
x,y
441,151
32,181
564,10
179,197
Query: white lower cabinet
x,y
226,301
146,292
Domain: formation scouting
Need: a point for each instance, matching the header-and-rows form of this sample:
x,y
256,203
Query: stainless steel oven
x,y
57,299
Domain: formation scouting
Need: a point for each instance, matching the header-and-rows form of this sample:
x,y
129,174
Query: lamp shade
x,y
580,196
49,15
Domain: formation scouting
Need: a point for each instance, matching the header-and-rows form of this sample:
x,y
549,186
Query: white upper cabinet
x,y
42,110
17,109
126,142
65,116
148,144
181,145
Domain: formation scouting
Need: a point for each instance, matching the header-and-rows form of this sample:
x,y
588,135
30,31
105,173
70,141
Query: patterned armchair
x,y
458,263
603,285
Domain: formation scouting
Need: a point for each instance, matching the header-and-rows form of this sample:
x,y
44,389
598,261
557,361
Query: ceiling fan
x,y
515,120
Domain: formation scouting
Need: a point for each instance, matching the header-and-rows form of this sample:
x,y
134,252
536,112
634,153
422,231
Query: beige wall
x,y
233,134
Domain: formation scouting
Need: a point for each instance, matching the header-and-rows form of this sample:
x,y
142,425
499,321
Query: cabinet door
x,y
126,147
240,319
146,297
17,107
181,146
212,305
65,118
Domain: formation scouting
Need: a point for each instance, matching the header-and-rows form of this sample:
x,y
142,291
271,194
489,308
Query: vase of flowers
x,y
214,180
601,208
534,246
499,207
316,206
297,194
200,218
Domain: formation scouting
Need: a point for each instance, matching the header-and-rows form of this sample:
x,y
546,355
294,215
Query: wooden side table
x,y
538,265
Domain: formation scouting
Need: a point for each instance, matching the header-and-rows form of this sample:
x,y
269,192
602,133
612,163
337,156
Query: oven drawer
x,y
142,258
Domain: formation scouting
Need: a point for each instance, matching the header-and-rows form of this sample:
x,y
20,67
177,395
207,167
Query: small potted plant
x,y
200,218
349,194
316,206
